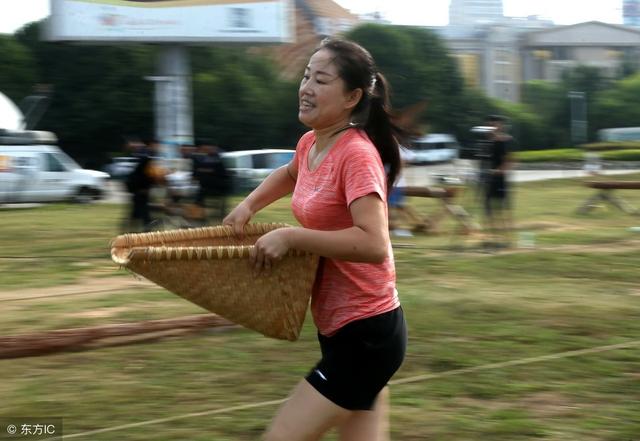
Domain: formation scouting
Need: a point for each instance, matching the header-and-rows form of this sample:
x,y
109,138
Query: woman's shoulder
x,y
356,141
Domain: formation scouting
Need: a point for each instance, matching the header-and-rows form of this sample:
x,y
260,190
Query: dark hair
x,y
496,118
357,69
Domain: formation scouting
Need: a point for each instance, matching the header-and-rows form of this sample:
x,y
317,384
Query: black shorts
x,y
359,359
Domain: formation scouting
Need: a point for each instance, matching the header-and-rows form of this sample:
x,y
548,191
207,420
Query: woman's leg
x,y
368,425
305,416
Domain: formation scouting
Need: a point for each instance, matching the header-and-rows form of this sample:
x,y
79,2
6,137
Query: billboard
x,y
267,21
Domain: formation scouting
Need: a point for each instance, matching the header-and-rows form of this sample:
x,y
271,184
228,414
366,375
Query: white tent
x,y
10,116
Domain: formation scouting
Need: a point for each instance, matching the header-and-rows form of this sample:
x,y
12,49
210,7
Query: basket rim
x,y
221,252
137,244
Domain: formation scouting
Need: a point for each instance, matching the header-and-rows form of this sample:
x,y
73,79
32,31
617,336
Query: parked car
x,y
121,166
34,169
248,168
434,148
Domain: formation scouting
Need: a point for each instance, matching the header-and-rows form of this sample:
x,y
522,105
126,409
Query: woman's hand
x,y
238,218
269,249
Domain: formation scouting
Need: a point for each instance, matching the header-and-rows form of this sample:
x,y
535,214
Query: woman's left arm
x,y
366,241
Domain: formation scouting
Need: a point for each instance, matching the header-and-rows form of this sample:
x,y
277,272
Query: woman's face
x,y
322,98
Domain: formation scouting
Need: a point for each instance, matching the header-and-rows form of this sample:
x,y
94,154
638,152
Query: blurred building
x,y
498,57
631,13
488,54
495,53
474,12
547,53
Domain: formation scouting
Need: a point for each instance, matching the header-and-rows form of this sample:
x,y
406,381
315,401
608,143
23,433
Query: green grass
x,y
621,155
577,289
624,153
566,154
612,145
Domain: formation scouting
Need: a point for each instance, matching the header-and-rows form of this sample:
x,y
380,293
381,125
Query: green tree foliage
x,y
240,102
591,81
18,73
98,96
587,79
618,106
629,66
99,93
548,101
418,67
527,127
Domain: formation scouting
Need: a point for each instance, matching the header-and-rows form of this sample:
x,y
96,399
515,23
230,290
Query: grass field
x,y
468,312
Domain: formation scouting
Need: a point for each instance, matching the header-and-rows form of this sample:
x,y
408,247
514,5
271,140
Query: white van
x,y
434,148
619,134
248,168
34,169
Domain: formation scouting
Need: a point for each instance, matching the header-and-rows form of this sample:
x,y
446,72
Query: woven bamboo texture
x,y
210,267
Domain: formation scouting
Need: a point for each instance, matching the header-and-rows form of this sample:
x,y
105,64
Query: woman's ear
x,y
353,98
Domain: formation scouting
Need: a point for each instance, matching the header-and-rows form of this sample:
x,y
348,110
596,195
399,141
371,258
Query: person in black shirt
x,y
139,184
497,164
213,180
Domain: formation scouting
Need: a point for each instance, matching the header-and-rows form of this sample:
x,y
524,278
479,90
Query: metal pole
x,y
579,123
173,107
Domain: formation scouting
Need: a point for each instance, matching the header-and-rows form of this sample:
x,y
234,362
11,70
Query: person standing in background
x,y
498,163
139,184
213,181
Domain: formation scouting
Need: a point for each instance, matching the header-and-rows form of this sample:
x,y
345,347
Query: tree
x,y
18,73
419,68
549,101
618,107
527,127
240,101
99,93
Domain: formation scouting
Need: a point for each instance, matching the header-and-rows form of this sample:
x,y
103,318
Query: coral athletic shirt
x,y
343,291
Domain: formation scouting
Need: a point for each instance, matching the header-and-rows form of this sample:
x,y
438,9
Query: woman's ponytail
x,y
380,127
373,113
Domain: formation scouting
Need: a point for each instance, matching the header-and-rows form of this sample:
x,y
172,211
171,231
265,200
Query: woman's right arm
x,y
277,185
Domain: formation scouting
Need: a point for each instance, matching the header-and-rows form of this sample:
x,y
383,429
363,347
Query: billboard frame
x,y
171,21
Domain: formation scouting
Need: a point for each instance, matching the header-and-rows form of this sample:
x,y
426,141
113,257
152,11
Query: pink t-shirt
x,y
343,291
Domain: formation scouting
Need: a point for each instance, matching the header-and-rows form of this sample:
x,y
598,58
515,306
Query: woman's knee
x,y
306,416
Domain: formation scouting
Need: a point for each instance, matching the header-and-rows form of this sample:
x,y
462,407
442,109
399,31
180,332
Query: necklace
x,y
342,129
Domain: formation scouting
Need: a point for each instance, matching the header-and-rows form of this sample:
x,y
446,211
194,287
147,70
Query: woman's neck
x,y
327,135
